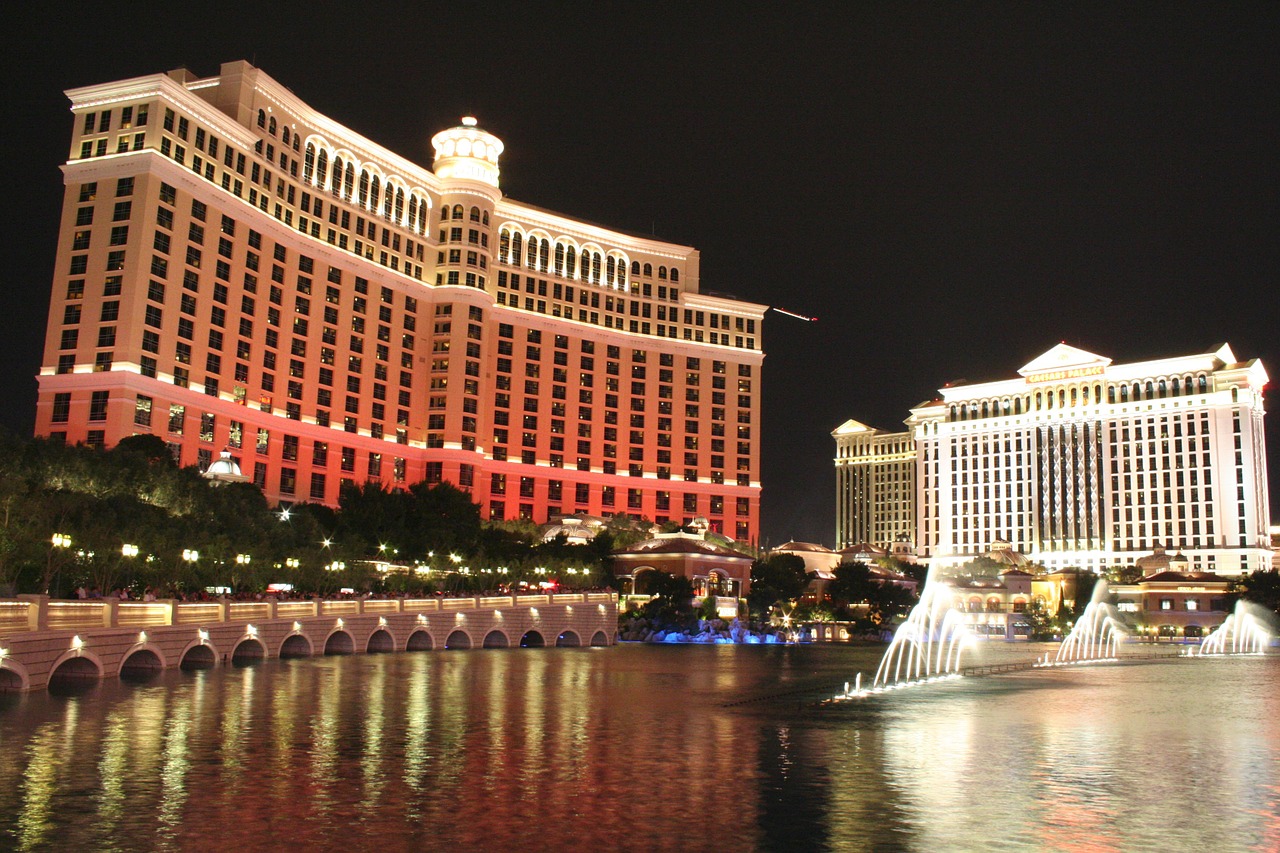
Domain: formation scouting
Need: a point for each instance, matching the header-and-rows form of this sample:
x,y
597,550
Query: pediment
x,y
1066,359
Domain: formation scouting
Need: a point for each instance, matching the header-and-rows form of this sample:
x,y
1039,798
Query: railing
x,y
39,613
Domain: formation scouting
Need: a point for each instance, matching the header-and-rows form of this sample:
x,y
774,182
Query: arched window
x,y
444,212
1235,394
388,199
1137,391
571,261
662,273
336,183
675,274
297,142
985,412
262,118
1017,405
609,265
286,135
584,267
348,181
413,211
1164,389
595,267
399,204
1111,393
504,246
559,258
364,187
544,255
475,214
484,218
1151,390
1202,384
648,270
271,126
622,273
457,211
635,268
309,163
375,194
1039,400
1124,393
531,257
1188,385
322,168
517,249
953,412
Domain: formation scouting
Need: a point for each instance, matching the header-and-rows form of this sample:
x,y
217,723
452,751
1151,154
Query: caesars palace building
x,y
1078,462
237,272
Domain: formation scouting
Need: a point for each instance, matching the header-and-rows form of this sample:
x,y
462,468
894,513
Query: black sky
x,y
952,188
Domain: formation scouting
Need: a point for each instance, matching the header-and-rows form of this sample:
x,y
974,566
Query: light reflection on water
x,y
640,748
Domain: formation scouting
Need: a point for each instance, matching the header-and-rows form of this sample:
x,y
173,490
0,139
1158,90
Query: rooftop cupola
x,y
468,153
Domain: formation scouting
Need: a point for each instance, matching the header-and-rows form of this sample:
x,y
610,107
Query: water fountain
x,y
926,647
1096,635
1245,631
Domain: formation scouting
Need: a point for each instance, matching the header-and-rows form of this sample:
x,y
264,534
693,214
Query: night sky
x,y
951,188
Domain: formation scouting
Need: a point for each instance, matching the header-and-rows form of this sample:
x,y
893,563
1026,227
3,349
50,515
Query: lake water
x,y
649,748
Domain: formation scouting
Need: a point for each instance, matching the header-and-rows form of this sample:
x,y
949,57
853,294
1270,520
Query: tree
x,y
776,578
1261,586
854,584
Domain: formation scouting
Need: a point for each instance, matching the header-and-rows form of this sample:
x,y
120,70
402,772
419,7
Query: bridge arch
x,y
419,641
13,676
75,669
142,662
458,639
198,655
599,638
568,639
380,642
248,650
533,640
296,646
495,639
339,642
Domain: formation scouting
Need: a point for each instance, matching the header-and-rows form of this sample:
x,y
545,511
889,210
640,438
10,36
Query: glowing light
x,y
469,121
297,626
382,621
243,559
127,550
202,635
250,630
190,555
292,562
142,636
339,623
77,644
284,514
61,540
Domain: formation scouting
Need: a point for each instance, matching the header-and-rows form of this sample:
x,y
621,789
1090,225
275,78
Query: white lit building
x,y
1079,462
875,476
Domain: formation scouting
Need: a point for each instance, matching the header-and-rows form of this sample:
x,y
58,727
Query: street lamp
x,y
190,555
336,566
292,562
127,550
61,540
242,559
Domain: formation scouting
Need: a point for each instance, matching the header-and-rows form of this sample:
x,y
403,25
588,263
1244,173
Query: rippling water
x,y
648,748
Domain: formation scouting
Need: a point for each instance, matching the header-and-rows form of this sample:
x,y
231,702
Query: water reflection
x,y
647,749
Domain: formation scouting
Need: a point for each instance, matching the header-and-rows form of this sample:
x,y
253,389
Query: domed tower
x,y
466,161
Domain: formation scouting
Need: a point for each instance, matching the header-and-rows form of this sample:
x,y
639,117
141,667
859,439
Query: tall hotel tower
x,y
1078,462
236,271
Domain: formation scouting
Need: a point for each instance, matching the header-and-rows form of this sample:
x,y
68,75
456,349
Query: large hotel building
x,y
237,271
1077,462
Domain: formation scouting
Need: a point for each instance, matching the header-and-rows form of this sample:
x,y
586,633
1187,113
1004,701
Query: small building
x,y
713,569
1174,605
577,529
995,606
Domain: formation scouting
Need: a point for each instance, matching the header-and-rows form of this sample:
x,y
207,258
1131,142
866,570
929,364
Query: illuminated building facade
x,y
1079,462
875,477
237,271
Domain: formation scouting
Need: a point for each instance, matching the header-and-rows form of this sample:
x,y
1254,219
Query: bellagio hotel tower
x,y
238,272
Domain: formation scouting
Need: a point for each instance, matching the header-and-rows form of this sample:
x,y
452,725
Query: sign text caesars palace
x,y
1077,463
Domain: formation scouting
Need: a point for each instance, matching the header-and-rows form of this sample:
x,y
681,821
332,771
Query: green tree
x,y
778,578
1261,586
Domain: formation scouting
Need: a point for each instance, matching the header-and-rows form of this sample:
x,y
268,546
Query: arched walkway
x,y
381,642
419,641
75,673
142,665
599,638
339,643
13,676
199,657
295,646
458,640
496,640
569,639
532,640
248,651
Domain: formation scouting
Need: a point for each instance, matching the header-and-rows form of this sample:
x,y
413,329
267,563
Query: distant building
x,y
1078,462
1175,605
713,569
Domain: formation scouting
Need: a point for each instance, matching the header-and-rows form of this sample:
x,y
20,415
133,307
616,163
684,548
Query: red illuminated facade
x,y
237,271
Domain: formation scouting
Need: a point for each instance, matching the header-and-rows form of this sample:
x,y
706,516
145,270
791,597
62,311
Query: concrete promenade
x,y
44,641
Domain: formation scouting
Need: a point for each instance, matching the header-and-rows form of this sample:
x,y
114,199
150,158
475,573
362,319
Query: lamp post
x,y
292,562
58,542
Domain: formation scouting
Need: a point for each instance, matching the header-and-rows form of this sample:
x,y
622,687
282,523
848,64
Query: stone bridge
x,y
47,642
